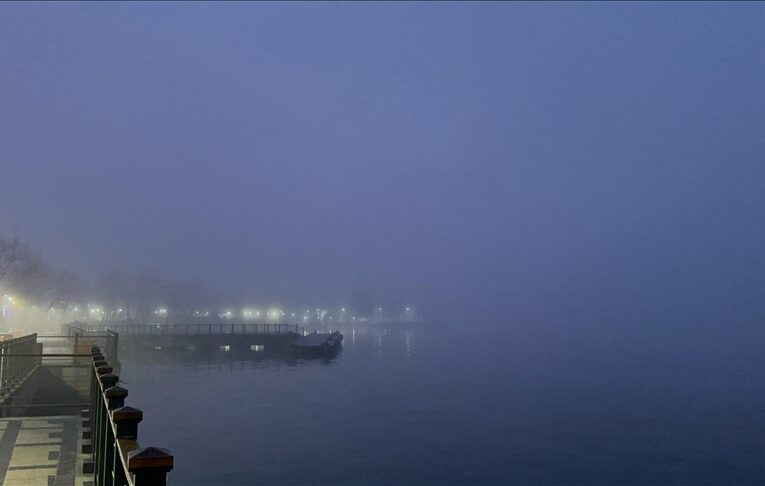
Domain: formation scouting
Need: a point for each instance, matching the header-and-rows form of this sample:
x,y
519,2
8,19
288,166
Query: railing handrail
x,y
190,329
19,358
20,339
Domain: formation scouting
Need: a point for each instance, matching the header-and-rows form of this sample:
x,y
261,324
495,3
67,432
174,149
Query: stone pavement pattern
x,y
42,451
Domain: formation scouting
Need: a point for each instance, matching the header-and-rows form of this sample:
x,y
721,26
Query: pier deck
x,y
43,451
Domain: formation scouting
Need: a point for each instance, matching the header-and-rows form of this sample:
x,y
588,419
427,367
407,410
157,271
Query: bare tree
x,y
65,288
19,264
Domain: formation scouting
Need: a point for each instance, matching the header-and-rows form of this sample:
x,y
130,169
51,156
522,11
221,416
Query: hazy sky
x,y
581,160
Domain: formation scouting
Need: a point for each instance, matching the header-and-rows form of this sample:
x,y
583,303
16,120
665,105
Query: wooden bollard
x,y
126,419
115,396
150,466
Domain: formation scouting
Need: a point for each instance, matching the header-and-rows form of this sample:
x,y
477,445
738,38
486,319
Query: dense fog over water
x,y
567,162
549,218
446,405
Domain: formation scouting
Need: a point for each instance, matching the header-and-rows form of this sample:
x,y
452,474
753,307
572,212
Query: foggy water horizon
x,y
454,405
575,191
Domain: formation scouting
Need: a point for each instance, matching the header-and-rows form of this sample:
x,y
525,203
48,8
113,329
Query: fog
x,y
561,165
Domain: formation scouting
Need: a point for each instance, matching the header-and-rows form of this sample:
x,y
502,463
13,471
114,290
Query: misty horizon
x,y
467,159
371,243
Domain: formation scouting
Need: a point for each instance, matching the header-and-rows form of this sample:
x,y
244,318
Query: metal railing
x,y
19,357
118,460
84,336
194,329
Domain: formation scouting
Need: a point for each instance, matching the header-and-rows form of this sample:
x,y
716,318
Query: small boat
x,y
318,342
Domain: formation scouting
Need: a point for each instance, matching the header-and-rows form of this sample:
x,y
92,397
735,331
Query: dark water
x,y
453,406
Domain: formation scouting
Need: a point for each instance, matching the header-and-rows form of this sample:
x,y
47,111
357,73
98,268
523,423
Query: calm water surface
x,y
440,405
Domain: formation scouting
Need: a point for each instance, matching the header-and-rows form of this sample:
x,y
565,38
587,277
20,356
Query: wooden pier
x,y
236,337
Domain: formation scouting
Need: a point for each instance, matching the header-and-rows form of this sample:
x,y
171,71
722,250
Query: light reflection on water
x,y
447,405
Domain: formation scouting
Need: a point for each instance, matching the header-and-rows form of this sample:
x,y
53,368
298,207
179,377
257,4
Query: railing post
x,y
99,434
115,397
150,466
126,421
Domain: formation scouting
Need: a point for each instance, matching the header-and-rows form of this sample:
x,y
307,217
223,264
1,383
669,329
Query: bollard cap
x,y
150,458
115,391
127,414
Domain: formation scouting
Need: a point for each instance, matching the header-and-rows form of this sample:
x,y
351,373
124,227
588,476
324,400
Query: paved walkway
x,y
42,451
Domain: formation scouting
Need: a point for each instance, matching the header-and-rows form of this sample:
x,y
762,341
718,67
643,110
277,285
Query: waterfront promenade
x,y
64,419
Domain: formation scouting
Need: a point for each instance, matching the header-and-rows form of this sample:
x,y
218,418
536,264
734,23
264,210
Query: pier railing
x,y
193,329
118,460
84,337
19,357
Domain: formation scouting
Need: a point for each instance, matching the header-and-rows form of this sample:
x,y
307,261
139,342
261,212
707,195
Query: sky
x,y
561,161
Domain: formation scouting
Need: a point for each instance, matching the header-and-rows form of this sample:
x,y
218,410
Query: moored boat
x,y
318,342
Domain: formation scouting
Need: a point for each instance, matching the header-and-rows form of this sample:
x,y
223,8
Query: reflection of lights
x,y
408,309
342,310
